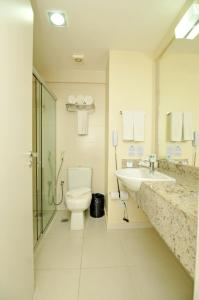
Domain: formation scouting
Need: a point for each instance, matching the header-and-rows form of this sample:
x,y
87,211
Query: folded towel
x,y
72,99
127,120
138,126
175,121
74,193
82,120
187,126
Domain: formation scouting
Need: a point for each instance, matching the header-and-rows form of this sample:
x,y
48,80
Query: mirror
x,y
178,113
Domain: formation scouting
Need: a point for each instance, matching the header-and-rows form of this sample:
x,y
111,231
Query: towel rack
x,y
74,107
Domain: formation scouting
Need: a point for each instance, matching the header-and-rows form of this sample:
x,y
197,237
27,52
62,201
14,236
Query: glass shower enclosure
x,y
44,157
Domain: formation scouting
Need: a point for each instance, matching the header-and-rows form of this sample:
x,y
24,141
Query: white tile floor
x,y
114,265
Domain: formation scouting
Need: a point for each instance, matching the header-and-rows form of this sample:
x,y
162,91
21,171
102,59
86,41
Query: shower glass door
x,y
36,162
43,157
48,156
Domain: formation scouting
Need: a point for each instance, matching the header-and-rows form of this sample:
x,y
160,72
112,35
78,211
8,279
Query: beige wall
x,y
81,150
178,91
86,76
16,232
130,88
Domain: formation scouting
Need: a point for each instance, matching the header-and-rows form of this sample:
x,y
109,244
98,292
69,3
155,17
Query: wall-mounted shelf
x,y
74,107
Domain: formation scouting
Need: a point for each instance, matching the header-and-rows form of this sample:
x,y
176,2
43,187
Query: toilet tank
x,y
79,177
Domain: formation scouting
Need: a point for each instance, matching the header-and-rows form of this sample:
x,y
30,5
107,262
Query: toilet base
x,y
77,220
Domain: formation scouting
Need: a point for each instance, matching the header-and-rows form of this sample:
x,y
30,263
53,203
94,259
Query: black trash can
x,y
97,206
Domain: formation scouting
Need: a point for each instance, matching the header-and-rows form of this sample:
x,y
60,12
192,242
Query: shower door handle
x,y
30,156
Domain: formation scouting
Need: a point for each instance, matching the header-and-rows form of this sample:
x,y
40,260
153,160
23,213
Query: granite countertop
x,y
183,194
172,210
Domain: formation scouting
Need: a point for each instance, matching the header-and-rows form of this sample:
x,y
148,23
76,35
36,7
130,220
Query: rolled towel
x,y
72,99
80,99
88,100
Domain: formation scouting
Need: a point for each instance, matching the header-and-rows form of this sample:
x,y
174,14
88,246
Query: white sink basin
x,y
132,178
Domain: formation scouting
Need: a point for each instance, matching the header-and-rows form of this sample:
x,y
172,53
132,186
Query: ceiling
x,y
184,46
95,26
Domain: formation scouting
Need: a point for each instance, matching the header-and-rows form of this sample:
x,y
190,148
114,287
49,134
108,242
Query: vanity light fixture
x,y
57,18
188,28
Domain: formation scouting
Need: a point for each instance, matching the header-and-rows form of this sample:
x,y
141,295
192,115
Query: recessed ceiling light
x,y
57,18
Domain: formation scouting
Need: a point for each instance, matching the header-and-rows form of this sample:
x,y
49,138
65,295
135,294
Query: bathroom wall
x,y
131,82
178,91
86,150
75,75
16,229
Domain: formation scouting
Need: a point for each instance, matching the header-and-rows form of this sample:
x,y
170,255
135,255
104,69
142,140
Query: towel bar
x,y
74,107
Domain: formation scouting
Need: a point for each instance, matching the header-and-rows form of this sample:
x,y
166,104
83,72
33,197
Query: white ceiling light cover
x,y
57,18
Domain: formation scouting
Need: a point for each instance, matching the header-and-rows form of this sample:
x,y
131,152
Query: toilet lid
x,y
78,192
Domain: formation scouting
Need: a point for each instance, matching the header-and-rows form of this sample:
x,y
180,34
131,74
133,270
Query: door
x,y
37,162
16,230
48,156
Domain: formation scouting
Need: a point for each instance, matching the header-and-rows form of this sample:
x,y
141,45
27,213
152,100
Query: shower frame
x,y
38,155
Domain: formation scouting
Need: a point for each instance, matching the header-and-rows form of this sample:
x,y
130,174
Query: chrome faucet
x,y
152,160
152,167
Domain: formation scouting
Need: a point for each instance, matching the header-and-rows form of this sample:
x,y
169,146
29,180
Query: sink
x,y
132,178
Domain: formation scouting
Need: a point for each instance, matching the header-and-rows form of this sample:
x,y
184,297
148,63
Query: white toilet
x,y
78,196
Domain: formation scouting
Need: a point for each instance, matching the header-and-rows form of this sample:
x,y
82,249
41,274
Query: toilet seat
x,y
76,193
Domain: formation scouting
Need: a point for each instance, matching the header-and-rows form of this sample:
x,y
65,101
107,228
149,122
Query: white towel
x,y
138,126
127,120
175,120
82,119
187,126
72,99
88,100
80,99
